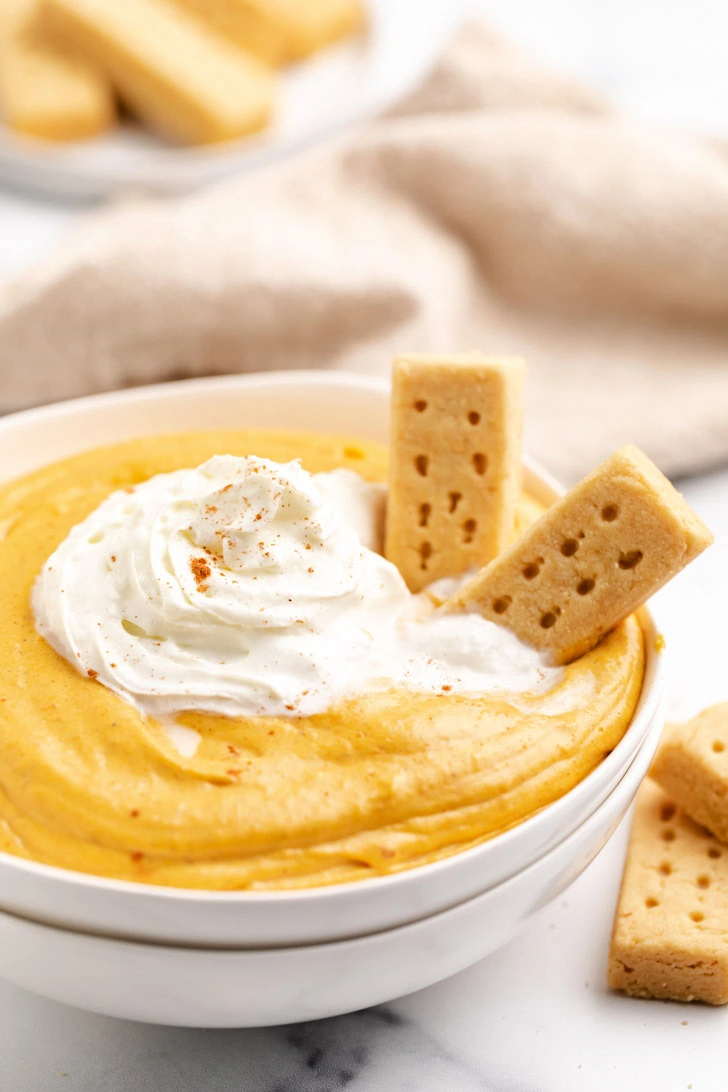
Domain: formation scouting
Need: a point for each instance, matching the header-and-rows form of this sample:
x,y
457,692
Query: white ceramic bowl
x,y
316,401
212,988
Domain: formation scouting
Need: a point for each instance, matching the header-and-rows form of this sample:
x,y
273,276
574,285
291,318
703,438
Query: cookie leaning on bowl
x,y
592,559
692,765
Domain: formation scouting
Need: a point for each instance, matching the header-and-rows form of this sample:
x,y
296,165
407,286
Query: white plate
x,y
198,988
334,89
316,401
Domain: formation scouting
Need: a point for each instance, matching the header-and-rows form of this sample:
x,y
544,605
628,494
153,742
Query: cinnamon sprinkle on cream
x,y
201,571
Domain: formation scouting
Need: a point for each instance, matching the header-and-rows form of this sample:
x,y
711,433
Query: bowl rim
x,y
647,705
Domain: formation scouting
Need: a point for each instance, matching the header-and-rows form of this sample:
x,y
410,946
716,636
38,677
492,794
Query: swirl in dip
x,y
213,679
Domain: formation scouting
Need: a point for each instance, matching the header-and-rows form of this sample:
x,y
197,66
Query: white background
x,y
534,1017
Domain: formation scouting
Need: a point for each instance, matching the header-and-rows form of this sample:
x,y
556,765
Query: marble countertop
x,y
536,1016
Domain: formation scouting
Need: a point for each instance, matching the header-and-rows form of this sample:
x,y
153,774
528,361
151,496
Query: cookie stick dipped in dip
x,y
455,465
595,556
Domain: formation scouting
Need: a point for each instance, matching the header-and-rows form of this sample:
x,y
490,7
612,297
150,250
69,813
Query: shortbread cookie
x,y
692,765
44,91
455,470
670,938
595,556
279,31
177,75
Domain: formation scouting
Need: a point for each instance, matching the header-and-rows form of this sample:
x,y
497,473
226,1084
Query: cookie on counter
x,y
692,765
670,939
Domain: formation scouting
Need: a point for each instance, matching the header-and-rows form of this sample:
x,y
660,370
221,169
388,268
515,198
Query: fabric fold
x,y
500,207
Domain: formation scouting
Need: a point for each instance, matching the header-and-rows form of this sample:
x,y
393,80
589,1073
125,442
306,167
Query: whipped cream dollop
x,y
248,587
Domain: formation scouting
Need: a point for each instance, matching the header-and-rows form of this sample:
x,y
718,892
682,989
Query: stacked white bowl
x,y
244,959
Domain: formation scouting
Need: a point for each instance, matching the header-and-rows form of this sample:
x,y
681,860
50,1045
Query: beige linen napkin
x,y
500,208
